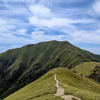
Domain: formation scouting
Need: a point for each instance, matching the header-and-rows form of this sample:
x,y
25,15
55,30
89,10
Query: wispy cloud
x,y
39,36
31,21
45,18
96,6
21,31
85,37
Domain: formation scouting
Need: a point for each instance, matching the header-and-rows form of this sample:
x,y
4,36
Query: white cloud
x,y
40,11
77,37
15,10
48,15
98,31
4,26
45,18
96,6
21,31
50,23
10,38
6,1
9,26
65,25
39,36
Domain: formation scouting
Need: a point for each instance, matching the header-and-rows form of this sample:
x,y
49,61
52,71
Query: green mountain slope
x,y
88,70
19,67
78,86
44,88
41,89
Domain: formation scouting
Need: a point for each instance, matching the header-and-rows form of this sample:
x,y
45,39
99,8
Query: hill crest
x,y
19,67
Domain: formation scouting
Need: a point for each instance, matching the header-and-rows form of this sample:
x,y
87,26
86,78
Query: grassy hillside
x,y
41,89
88,70
44,88
78,86
19,67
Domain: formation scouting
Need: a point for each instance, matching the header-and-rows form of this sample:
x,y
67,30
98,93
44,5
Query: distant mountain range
x,y
21,66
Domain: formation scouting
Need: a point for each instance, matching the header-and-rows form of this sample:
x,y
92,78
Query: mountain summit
x,y
19,67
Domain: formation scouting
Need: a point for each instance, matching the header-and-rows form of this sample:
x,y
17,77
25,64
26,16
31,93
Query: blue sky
x,y
25,22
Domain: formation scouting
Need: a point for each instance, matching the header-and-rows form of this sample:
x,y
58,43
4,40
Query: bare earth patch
x,y
60,91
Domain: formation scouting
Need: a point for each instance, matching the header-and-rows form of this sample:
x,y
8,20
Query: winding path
x,y
60,91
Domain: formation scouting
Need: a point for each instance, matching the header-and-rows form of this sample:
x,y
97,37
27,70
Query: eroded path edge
x,y
60,91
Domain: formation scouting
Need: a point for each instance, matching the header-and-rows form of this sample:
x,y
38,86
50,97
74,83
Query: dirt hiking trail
x,y
60,91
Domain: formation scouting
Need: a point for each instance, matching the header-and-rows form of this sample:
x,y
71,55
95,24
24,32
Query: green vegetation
x,y
44,88
21,66
78,86
88,70
41,89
